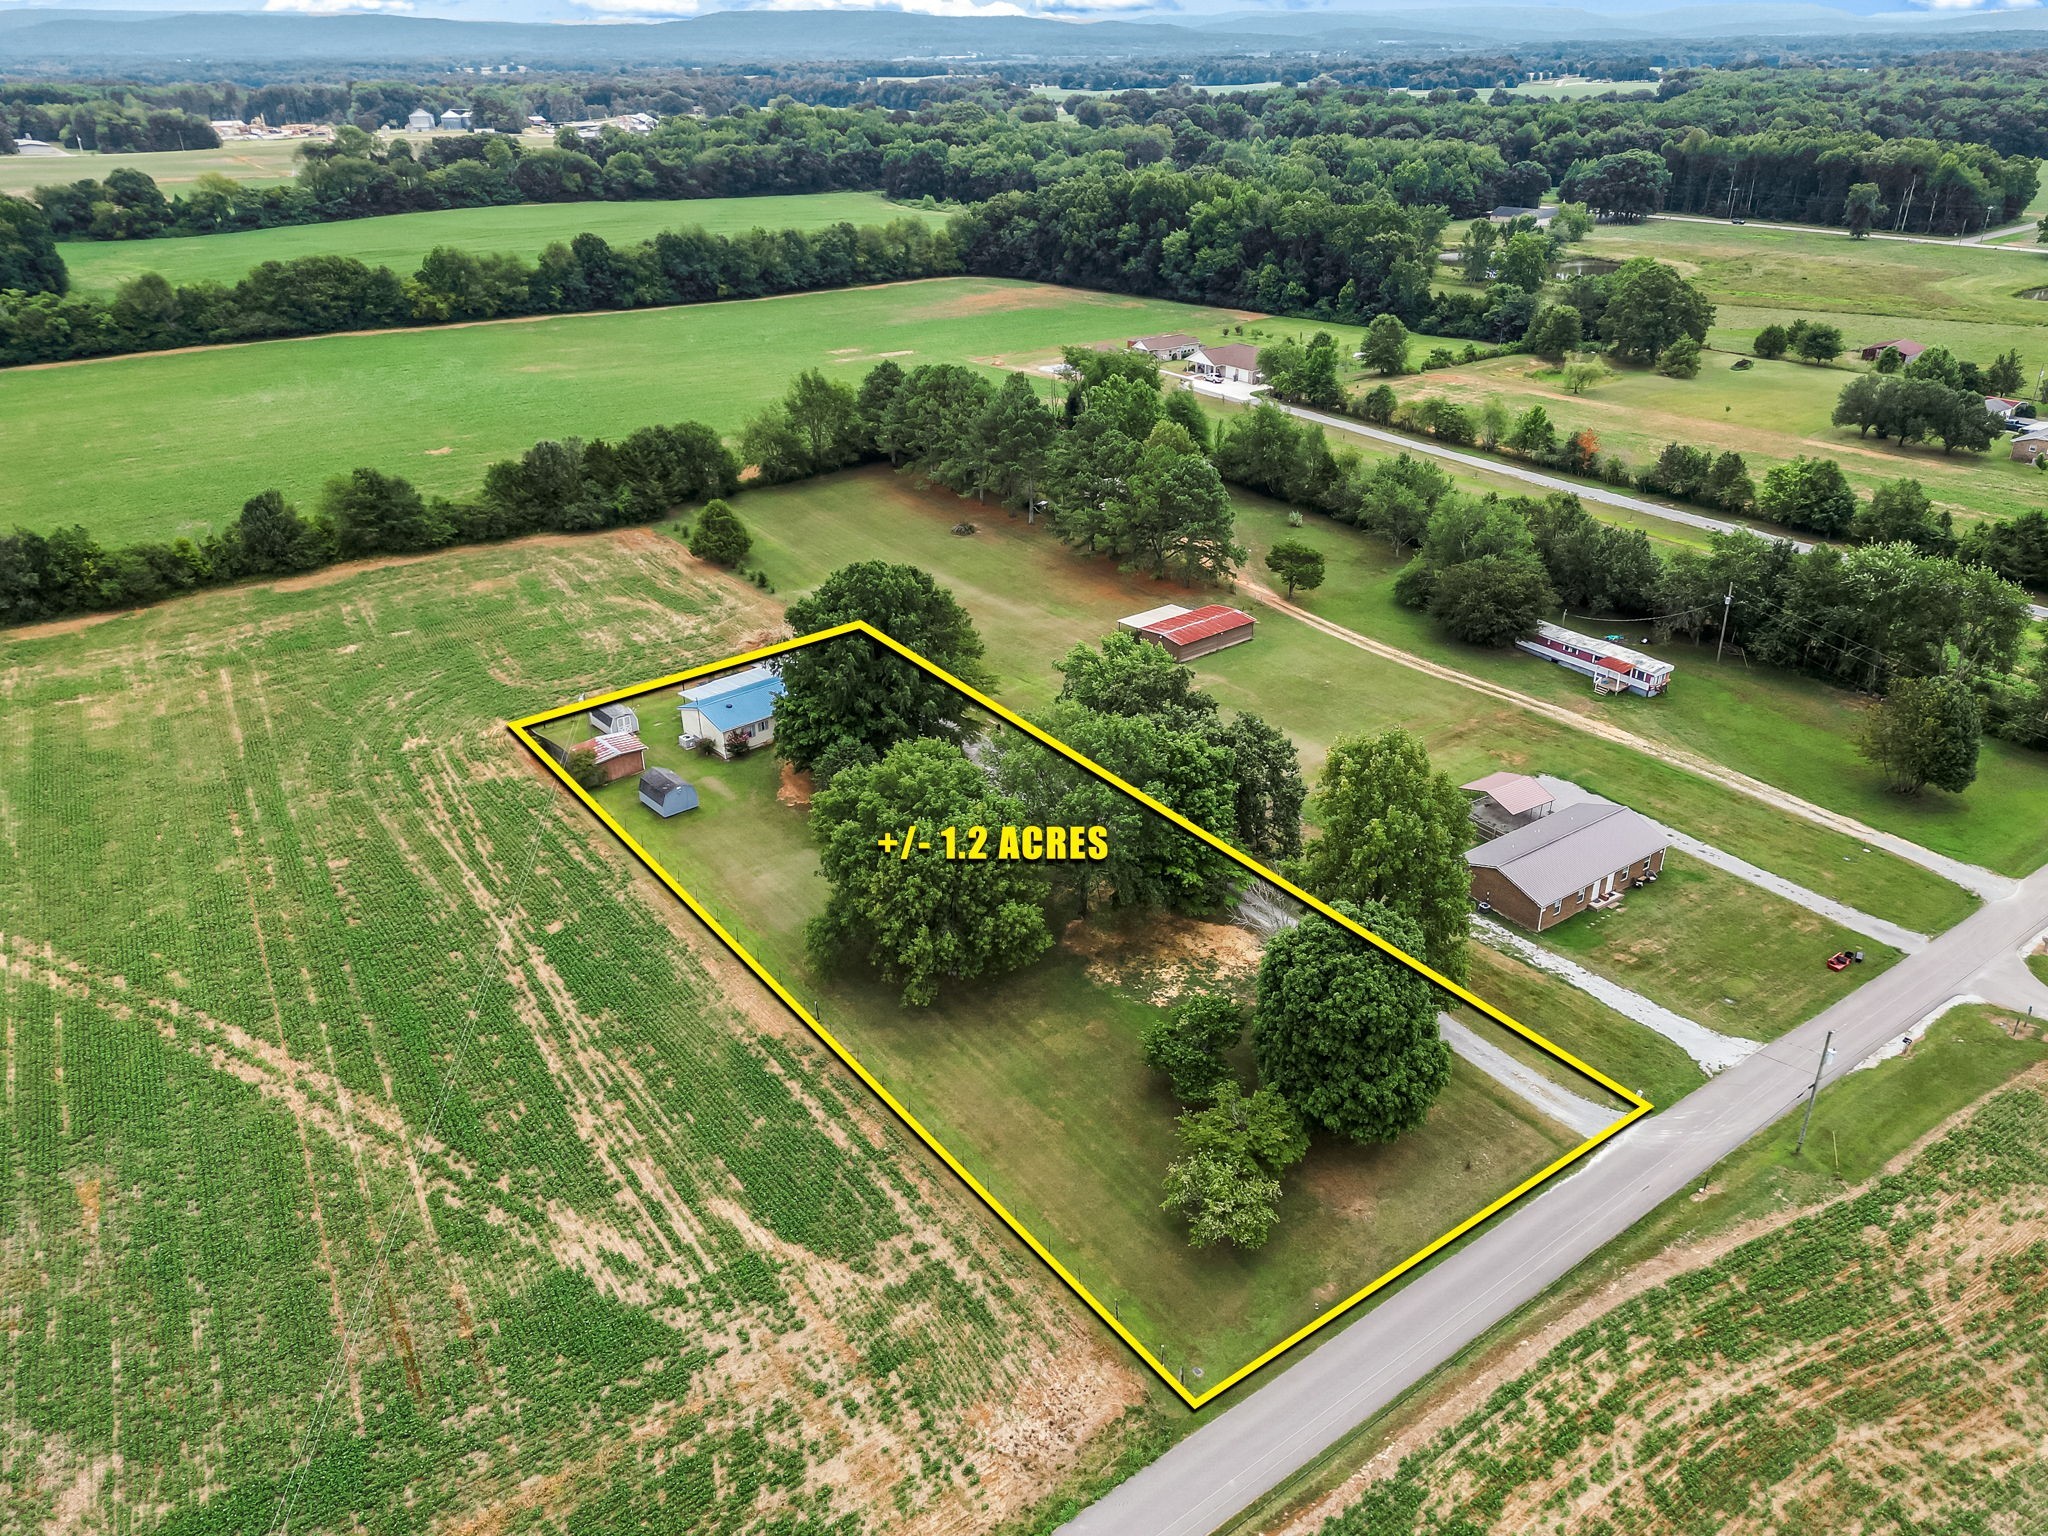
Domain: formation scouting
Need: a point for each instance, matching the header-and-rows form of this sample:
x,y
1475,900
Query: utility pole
x,y
1727,602
1827,1054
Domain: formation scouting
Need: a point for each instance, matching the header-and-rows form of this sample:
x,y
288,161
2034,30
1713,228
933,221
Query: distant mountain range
x,y
195,39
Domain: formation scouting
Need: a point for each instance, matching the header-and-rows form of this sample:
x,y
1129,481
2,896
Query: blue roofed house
x,y
665,793
732,714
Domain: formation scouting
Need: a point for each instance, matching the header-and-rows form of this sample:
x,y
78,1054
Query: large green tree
x,y
1394,832
853,694
1927,731
1649,306
921,920
1346,1034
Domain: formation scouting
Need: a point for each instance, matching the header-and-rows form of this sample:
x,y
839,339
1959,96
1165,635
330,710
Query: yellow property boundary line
x,y
1639,1106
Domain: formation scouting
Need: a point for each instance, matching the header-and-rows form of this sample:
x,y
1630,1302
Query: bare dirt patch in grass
x,y
796,787
1164,956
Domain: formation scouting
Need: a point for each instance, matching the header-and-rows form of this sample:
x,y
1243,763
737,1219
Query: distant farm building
x,y
1505,801
732,714
1232,364
1507,213
1906,349
1171,347
608,719
619,755
1185,633
1581,857
419,120
1612,667
458,118
665,793
2004,407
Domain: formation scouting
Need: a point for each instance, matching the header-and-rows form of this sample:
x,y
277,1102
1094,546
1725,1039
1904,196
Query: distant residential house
x,y
1185,633
1505,801
1507,213
1906,349
1613,667
667,794
419,120
607,719
2030,445
1235,363
1170,348
732,714
620,754
1581,857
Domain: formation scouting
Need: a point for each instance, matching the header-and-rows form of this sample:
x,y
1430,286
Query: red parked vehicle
x,y
1839,961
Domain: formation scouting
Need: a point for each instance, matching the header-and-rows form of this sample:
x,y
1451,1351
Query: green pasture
x,y
401,241
1037,1083
172,444
1796,732
1769,413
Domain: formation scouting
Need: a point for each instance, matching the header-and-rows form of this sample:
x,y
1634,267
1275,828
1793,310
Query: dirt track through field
x,y
1984,882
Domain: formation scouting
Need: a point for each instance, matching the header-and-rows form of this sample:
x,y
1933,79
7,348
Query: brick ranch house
x,y
1578,857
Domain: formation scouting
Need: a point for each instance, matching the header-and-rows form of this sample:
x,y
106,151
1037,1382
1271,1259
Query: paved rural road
x,y
1976,241
1536,477
1249,1448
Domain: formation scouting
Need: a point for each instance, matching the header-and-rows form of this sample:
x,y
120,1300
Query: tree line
x,y
314,294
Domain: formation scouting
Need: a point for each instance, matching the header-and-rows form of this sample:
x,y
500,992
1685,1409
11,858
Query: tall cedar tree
x,y
1346,1034
1394,833
854,694
719,536
924,921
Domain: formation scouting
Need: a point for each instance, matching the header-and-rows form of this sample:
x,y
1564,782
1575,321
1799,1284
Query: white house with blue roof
x,y
732,714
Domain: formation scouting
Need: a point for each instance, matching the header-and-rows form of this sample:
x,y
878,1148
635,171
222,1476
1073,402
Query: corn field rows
x,y
1878,1366
371,1146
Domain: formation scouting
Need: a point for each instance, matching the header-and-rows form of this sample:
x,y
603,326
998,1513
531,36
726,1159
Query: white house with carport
x,y
732,714
1232,363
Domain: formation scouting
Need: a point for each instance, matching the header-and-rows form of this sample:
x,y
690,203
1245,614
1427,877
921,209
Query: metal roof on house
x,y
1233,355
1905,348
1570,849
1514,793
739,698
1199,624
1172,340
659,781
618,744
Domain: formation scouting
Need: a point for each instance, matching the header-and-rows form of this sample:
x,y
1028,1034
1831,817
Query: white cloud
x,y
1978,5
339,7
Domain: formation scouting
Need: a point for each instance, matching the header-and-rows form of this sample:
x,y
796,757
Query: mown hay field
x,y
257,162
173,444
380,1149
401,241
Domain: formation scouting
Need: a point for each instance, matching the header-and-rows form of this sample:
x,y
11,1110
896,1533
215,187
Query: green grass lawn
x,y
1633,1056
1034,600
255,163
1037,1083
1725,954
152,447
1777,726
403,240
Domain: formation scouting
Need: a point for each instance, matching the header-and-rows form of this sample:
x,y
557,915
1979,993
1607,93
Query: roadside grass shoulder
x,y
402,240
1795,732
